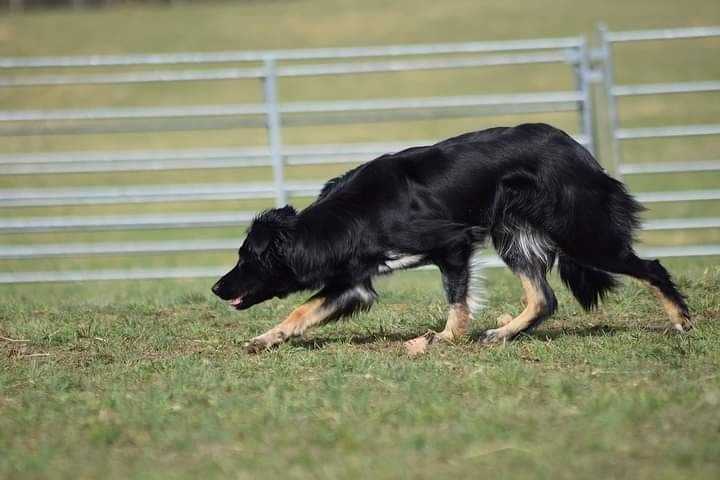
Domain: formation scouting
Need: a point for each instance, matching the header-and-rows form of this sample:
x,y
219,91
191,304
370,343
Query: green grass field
x,y
148,379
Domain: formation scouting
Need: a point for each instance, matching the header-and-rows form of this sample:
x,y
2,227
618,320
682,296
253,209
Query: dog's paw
x,y
263,342
683,327
420,345
256,345
496,335
504,319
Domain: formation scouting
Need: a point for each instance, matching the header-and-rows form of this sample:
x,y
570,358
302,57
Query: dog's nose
x,y
216,288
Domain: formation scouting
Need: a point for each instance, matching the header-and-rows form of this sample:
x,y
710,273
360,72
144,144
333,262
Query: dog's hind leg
x,y
657,277
328,304
530,255
541,304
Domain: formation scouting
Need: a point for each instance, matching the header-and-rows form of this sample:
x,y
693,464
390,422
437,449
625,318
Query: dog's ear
x,y
271,226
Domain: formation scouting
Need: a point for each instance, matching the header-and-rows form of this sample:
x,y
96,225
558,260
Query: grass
x,y
149,381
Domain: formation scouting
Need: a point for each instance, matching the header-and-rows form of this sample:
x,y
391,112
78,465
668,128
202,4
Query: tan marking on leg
x,y
455,327
536,303
680,323
457,323
303,317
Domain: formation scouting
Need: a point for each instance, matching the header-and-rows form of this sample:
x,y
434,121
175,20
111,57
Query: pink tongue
x,y
236,301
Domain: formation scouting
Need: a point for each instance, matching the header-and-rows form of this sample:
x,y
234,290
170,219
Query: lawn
x,y
222,26
148,379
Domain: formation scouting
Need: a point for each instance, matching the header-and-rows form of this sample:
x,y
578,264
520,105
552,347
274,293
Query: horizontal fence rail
x,y
663,34
124,222
554,100
294,114
87,162
668,167
295,54
214,272
290,71
117,248
659,88
678,196
274,115
150,194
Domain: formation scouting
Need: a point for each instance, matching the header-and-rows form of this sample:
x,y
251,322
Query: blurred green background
x,y
137,27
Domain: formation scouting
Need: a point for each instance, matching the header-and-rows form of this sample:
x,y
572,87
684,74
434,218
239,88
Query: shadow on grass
x,y
380,339
592,331
370,339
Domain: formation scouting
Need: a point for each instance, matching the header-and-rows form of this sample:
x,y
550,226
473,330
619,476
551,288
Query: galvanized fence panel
x,y
272,114
292,54
619,134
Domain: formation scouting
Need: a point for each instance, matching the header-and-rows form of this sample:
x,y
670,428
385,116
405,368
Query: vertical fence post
x,y
274,133
608,83
583,73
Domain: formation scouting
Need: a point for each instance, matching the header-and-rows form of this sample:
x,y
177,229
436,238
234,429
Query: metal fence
x,y
274,115
620,134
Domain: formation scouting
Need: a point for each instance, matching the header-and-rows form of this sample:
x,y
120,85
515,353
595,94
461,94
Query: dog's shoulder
x,y
379,167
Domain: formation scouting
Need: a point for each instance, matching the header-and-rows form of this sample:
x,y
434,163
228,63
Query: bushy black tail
x,y
589,285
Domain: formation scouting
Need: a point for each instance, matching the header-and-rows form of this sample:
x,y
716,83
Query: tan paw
x,y
504,319
494,336
421,344
417,346
264,342
683,327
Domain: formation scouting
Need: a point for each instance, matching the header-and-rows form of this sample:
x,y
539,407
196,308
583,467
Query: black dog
x,y
532,189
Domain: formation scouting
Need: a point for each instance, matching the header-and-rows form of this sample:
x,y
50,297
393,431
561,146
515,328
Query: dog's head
x,y
262,271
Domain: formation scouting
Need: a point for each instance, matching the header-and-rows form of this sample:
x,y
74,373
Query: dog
x,y
533,191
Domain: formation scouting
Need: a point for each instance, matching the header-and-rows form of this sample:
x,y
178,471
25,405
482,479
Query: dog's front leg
x,y
455,328
455,269
328,304
457,323
303,317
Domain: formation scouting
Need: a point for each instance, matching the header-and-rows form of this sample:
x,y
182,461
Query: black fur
x,y
589,285
532,189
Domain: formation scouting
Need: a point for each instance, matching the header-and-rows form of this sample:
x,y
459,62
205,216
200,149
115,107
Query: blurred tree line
x,y
28,4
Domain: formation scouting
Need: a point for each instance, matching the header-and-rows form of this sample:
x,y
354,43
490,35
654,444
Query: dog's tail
x,y
588,284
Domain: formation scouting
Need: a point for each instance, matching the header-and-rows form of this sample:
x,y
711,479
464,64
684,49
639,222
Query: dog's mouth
x,y
237,302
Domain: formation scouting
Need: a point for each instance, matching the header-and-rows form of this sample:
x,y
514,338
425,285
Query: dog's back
x,y
526,170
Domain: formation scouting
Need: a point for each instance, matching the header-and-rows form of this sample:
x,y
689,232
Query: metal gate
x,y
619,134
273,114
